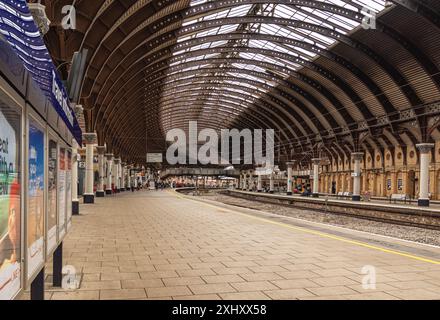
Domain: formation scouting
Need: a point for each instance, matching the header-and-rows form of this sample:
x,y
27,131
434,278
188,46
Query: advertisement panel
x,y
20,31
35,200
62,193
10,201
69,188
52,196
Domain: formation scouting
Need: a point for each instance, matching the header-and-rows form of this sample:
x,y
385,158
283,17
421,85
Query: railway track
x,y
396,219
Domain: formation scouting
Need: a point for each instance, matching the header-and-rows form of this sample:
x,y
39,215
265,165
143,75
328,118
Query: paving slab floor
x,y
160,245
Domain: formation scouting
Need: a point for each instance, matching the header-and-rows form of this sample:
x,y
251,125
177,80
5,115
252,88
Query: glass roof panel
x,y
226,63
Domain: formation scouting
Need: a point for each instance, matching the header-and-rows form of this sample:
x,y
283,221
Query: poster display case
x,y
52,195
35,204
62,168
69,189
37,126
10,195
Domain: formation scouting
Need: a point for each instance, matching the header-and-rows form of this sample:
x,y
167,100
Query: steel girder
x,y
163,23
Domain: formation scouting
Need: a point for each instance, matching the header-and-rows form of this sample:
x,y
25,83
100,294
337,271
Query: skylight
x,y
300,42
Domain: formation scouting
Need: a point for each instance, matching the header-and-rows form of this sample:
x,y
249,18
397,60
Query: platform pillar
x,y
271,184
250,180
75,200
123,185
243,181
259,183
129,177
109,157
100,193
116,174
357,157
425,149
289,177
90,140
316,162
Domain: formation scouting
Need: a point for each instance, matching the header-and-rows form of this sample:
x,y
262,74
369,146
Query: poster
x,y
10,196
62,193
69,189
35,204
52,196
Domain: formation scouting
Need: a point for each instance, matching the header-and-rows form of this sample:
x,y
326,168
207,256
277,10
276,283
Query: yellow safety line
x,y
318,233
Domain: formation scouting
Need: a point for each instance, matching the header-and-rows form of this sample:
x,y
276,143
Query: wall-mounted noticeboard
x,y
62,191
11,199
35,204
52,194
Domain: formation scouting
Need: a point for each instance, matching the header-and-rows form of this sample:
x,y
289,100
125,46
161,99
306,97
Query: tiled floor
x,y
156,245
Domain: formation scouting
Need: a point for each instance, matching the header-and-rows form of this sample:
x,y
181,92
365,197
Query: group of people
x,y
136,184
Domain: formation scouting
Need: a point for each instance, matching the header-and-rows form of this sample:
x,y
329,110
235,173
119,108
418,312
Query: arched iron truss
x,y
302,67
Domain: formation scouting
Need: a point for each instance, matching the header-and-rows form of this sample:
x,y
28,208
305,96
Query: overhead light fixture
x,y
38,12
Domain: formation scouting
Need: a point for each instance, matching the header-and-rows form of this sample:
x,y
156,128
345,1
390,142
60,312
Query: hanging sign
x,y
19,29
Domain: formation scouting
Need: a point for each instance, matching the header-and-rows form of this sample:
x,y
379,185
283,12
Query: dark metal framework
x,y
305,68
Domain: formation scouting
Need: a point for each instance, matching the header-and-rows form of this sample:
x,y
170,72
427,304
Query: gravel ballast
x,y
415,234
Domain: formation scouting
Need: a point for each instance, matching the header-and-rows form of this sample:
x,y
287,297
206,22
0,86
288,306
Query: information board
x,y
35,203
62,193
10,201
69,189
52,196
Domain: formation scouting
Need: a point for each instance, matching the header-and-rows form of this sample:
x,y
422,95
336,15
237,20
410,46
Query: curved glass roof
x,y
213,51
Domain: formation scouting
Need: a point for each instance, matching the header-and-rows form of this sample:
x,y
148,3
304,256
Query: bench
x,y
399,197
344,195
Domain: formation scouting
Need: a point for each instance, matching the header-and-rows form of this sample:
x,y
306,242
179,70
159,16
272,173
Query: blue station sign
x,y
19,29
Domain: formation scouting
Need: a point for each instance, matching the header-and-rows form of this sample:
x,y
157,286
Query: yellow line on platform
x,y
318,233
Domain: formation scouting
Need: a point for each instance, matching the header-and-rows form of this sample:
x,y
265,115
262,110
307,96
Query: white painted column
x,y
109,157
316,162
75,200
123,184
243,181
101,153
271,184
357,157
116,174
250,180
425,149
259,183
128,178
90,140
289,178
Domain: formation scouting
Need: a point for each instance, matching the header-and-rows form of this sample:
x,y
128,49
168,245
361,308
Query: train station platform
x,y
163,245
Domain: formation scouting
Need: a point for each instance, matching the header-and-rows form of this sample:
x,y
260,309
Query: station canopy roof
x,y
307,68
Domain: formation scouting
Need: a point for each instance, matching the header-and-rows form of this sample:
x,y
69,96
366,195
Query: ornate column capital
x,y
90,138
101,150
357,155
109,156
290,164
116,161
316,161
425,147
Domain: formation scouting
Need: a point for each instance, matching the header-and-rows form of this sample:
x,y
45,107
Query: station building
x,y
93,94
